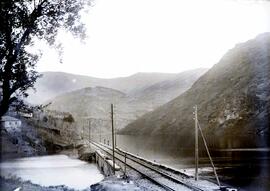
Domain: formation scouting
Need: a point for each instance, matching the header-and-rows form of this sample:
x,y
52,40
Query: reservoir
x,y
247,169
53,170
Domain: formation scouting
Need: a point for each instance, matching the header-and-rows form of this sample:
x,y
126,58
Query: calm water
x,y
52,171
244,169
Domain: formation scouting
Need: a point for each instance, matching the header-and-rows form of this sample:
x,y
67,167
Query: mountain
x,y
94,102
164,91
138,81
52,84
88,101
233,100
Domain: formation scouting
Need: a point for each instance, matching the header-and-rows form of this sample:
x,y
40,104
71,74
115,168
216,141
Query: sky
x,y
130,36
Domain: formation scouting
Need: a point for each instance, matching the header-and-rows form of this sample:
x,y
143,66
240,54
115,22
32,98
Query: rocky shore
x,y
108,184
15,183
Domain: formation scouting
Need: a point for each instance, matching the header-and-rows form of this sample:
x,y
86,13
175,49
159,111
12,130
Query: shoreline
x,y
10,184
134,182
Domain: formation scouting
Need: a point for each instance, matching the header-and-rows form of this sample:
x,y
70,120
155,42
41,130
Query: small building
x,y
26,114
11,124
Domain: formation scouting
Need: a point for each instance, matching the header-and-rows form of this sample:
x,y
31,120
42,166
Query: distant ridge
x,y
94,102
53,84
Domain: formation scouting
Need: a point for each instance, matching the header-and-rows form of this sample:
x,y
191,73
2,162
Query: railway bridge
x,y
165,177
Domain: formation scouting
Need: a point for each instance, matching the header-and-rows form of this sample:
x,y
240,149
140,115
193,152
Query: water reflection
x,y
247,169
52,171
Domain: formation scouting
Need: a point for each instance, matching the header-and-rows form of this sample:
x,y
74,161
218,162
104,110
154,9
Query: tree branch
x,y
11,100
33,17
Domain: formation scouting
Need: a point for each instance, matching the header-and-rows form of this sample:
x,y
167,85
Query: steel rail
x,y
162,173
143,174
150,166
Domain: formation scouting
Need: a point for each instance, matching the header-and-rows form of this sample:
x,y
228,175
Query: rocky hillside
x,y
53,84
233,101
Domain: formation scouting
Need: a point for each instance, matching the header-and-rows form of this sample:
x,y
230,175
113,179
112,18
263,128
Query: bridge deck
x,y
164,176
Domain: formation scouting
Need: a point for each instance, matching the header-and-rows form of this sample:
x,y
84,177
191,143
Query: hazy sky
x,y
129,36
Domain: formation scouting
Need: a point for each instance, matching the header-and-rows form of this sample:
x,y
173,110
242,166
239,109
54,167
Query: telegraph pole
x,y
125,171
52,136
196,143
100,134
82,132
209,156
113,138
89,133
115,145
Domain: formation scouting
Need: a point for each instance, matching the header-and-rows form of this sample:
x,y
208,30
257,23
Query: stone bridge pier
x,y
105,164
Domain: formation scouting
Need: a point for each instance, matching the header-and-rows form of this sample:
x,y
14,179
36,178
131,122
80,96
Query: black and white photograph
x,y
134,95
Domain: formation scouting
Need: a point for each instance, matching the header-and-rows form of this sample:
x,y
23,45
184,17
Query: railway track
x,y
166,179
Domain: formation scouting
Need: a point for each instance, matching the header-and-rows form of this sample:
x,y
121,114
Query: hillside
x,y
95,102
52,84
164,91
233,101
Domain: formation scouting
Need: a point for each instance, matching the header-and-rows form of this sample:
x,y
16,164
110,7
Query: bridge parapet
x,y
105,164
